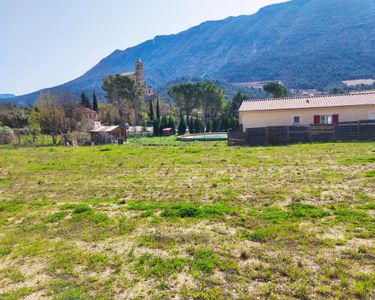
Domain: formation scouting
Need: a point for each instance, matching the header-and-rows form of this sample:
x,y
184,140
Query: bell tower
x,y
139,72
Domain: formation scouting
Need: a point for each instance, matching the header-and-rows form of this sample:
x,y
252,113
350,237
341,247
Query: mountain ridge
x,y
304,43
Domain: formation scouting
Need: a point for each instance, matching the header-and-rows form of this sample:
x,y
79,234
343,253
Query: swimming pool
x,y
204,137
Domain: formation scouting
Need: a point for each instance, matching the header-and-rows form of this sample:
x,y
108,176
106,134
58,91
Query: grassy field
x,y
187,221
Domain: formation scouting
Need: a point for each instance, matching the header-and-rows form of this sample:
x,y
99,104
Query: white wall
x,y
285,117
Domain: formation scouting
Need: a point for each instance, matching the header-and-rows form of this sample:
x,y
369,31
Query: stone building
x,y
139,77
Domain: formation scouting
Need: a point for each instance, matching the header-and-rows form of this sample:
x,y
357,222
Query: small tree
x,y
34,124
277,90
52,116
6,135
181,125
95,105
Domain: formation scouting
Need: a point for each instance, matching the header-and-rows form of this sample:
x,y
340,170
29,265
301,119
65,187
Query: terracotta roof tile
x,y
354,99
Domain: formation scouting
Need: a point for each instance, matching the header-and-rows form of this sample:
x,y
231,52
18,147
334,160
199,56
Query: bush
x,y
7,135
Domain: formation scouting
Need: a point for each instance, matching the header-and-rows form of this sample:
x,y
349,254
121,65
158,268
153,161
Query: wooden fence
x,y
284,135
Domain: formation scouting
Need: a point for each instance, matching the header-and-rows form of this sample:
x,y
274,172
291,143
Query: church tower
x,y
139,72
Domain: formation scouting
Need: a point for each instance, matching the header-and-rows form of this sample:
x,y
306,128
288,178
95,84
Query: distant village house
x,y
90,115
102,135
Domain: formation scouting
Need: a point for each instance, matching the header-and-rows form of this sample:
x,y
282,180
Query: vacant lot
x,y
201,221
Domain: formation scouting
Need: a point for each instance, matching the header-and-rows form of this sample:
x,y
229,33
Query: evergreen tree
x,y
224,124
191,124
151,112
156,125
277,90
197,125
172,124
95,105
164,123
209,126
181,125
85,101
157,109
216,125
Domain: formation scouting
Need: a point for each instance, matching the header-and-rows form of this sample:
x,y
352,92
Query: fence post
x,y
358,130
334,133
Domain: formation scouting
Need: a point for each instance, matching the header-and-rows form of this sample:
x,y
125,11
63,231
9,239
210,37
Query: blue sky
x,y
48,42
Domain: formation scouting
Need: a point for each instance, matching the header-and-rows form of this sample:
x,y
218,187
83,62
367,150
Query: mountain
x,y
6,96
304,43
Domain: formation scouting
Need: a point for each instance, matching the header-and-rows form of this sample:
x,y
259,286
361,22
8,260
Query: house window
x,y
296,120
326,119
371,115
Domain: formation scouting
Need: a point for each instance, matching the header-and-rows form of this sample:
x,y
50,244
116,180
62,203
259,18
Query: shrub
x,y
364,285
260,235
187,210
55,217
204,260
7,135
157,266
5,250
300,210
81,208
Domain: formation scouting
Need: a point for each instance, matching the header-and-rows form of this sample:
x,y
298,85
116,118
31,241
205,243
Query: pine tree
x,y
85,101
151,112
157,109
95,105
181,125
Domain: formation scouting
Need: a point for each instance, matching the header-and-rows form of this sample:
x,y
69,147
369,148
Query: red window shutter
x,y
335,119
316,120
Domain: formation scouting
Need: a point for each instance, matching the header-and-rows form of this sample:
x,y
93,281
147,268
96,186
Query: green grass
x,y
161,219
148,265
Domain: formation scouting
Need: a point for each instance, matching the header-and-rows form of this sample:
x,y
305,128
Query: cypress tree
x,y
157,109
156,125
181,125
191,124
95,105
164,123
151,112
85,101
172,124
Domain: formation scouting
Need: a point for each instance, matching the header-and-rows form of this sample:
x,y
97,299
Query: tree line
x,y
56,115
197,107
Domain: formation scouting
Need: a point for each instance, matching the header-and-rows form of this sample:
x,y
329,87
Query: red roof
x,y
89,110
